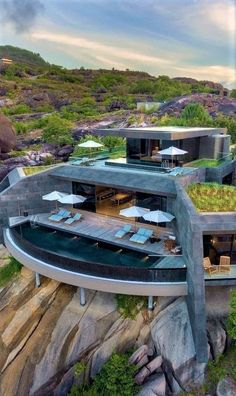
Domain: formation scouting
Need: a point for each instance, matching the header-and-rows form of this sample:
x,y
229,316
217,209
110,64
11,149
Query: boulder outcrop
x,y
7,135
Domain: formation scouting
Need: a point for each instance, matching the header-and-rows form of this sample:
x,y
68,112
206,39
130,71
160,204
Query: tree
x,y
112,141
57,131
233,93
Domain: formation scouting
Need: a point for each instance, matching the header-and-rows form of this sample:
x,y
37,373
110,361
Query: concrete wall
x,y
26,195
216,174
190,238
212,146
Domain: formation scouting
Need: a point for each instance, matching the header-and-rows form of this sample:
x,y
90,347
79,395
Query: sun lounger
x,y
56,218
123,231
141,236
61,215
73,219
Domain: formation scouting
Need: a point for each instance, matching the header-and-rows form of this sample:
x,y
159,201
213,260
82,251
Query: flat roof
x,y
116,177
167,132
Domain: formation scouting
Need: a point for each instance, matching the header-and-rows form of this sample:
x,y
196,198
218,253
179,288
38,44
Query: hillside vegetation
x,y
37,96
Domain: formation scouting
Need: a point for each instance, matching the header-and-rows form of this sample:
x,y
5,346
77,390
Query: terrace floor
x,y
103,228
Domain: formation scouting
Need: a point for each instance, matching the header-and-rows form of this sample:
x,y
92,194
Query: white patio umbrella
x,y
72,199
134,211
54,196
172,151
158,216
90,144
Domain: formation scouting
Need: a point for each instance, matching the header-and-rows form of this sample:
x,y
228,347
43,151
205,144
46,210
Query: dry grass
x,y
213,197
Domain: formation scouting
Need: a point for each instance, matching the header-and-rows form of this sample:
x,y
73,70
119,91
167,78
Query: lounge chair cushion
x,y
120,234
127,228
56,218
77,216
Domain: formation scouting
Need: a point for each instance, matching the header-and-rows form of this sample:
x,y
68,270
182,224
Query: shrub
x,y
17,109
116,378
112,141
232,316
57,131
8,271
129,306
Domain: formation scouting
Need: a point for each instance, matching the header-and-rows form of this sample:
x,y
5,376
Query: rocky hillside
x,y
35,96
44,332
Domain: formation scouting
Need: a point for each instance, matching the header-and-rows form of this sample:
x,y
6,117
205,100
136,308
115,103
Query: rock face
x,y
226,387
213,104
173,339
45,331
7,135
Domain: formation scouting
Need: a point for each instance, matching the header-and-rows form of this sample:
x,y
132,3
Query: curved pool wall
x,y
112,279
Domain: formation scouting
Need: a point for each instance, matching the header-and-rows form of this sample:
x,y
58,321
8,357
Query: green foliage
x,y
213,197
215,370
17,109
21,55
233,93
112,141
17,153
205,163
222,121
116,378
21,127
79,368
195,114
129,306
9,270
57,131
232,316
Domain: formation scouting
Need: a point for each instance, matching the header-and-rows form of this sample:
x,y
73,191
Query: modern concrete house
x,y
89,254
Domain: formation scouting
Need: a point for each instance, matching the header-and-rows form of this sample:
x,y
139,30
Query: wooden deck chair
x,y
224,264
208,267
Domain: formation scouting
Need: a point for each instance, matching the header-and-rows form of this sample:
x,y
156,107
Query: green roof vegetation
x,y
213,197
205,163
31,170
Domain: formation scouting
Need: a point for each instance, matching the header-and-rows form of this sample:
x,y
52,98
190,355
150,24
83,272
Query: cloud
x,y
219,73
21,13
84,43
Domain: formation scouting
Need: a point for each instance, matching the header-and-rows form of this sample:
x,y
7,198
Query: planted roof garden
x,y
213,197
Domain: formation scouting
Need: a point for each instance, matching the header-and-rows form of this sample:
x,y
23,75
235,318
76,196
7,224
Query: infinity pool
x,y
84,249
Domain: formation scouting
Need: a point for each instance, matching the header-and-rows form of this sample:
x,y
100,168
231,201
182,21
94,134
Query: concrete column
x,y
82,296
37,279
150,303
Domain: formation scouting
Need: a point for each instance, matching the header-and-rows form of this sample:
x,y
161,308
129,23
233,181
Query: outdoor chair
x,y
141,236
123,231
224,265
208,267
61,215
74,219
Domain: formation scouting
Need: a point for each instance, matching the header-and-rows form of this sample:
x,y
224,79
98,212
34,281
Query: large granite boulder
x,y
217,336
7,135
156,386
226,387
172,335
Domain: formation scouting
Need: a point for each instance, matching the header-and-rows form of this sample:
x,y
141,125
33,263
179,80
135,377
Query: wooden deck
x,y
103,228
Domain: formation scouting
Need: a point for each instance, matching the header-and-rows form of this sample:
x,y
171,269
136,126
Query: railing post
x,y
150,303
37,279
82,296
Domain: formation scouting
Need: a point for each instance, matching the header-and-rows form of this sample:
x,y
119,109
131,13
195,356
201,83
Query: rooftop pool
x,y
84,255
83,248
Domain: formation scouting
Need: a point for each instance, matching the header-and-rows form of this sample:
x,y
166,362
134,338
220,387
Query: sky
x,y
191,38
